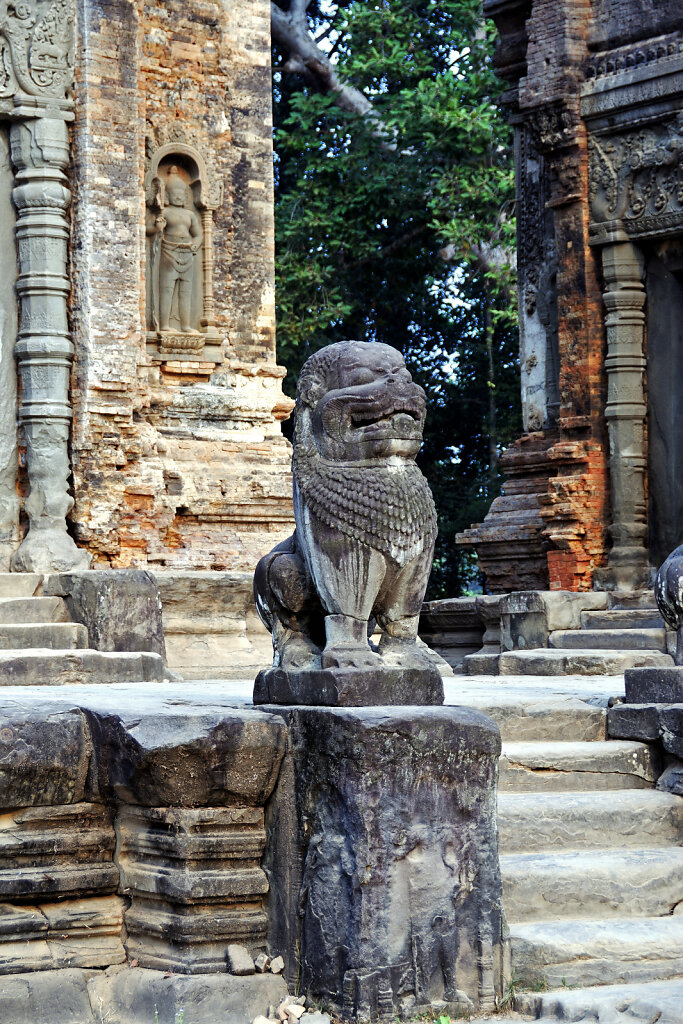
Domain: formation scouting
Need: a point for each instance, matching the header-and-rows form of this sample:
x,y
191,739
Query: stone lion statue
x,y
365,519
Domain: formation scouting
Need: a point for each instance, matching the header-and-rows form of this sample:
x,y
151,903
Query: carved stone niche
x,y
181,193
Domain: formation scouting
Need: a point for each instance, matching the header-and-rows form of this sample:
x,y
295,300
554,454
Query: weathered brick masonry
x,y
178,460
556,524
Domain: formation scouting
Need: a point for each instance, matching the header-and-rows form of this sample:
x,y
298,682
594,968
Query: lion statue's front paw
x,y
350,656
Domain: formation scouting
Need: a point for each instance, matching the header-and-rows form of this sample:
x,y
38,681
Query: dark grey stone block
x,y
121,608
45,757
633,722
382,858
195,758
349,687
671,780
654,685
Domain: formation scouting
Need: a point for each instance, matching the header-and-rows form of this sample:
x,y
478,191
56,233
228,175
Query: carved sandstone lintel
x,y
36,52
44,351
636,182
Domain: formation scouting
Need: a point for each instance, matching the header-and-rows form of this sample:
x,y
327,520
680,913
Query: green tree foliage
x,y
394,224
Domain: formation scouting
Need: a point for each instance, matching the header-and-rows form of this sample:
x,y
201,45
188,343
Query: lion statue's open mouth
x,y
365,517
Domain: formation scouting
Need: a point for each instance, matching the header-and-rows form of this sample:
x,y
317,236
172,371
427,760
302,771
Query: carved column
x,y
44,351
624,297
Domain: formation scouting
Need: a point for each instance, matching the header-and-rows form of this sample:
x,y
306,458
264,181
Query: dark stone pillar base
x,y
350,688
382,859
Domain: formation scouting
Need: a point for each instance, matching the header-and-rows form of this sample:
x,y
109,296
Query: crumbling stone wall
x,y
178,460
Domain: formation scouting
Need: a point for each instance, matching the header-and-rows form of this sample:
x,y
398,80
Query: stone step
x,y
627,618
531,822
545,661
623,599
594,884
583,953
14,611
658,1002
577,766
540,717
54,635
85,666
19,584
608,639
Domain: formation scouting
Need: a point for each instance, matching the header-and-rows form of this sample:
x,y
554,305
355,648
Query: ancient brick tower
x,y
595,487
137,286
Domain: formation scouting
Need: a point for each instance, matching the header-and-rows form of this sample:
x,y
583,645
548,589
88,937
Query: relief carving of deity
x,y
174,232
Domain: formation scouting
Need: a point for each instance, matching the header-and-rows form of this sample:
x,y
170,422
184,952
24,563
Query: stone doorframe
x,y
633,108
37,42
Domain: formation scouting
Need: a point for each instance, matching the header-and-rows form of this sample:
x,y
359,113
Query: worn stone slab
x,y
531,822
124,995
32,609
534,716
583,953
130,995
609,639
19,584
188,756
658,1002
656,685
120,609
562,766
349,687
382,857
45,756
51,635
623,618
45,667
592,884
548,662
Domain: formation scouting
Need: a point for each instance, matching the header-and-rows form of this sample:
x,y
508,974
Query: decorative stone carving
x,y
365,524
636,179
182,191
624,297
36,49
44,351
195,882
669,596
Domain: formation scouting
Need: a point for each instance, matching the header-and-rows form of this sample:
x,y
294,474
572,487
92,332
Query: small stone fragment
x,y
277,965
294,1012
260,1020
316,1017
239,960
262,963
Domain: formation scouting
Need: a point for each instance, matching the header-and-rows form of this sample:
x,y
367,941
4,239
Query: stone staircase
x,y
40,645
627,633
591,858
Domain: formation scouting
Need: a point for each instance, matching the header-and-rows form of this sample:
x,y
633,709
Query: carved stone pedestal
x,y
383,863
195,882
349,688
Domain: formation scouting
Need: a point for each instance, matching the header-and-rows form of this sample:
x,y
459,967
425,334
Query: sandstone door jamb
x,y
624,297
37,51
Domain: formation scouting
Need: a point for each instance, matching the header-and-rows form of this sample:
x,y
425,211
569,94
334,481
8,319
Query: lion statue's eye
x,y
360,376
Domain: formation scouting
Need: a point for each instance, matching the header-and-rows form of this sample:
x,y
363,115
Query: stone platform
x,y
349,687
134,819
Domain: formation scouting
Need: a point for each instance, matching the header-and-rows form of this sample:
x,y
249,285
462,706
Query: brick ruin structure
x,y
594,489
137,287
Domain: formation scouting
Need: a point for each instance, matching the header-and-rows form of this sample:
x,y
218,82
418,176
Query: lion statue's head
x,y
356,401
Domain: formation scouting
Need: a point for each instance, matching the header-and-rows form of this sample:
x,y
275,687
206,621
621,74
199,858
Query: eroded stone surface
x,y
382,856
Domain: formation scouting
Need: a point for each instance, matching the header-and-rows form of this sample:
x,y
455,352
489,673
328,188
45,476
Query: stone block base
x,y
135,996
350,688
382,856
654,685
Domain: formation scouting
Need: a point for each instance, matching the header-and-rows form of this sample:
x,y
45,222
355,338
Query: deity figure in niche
x,y
175,232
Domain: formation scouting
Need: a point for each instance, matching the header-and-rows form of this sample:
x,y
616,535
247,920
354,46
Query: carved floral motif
x,y
637,178
36,47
